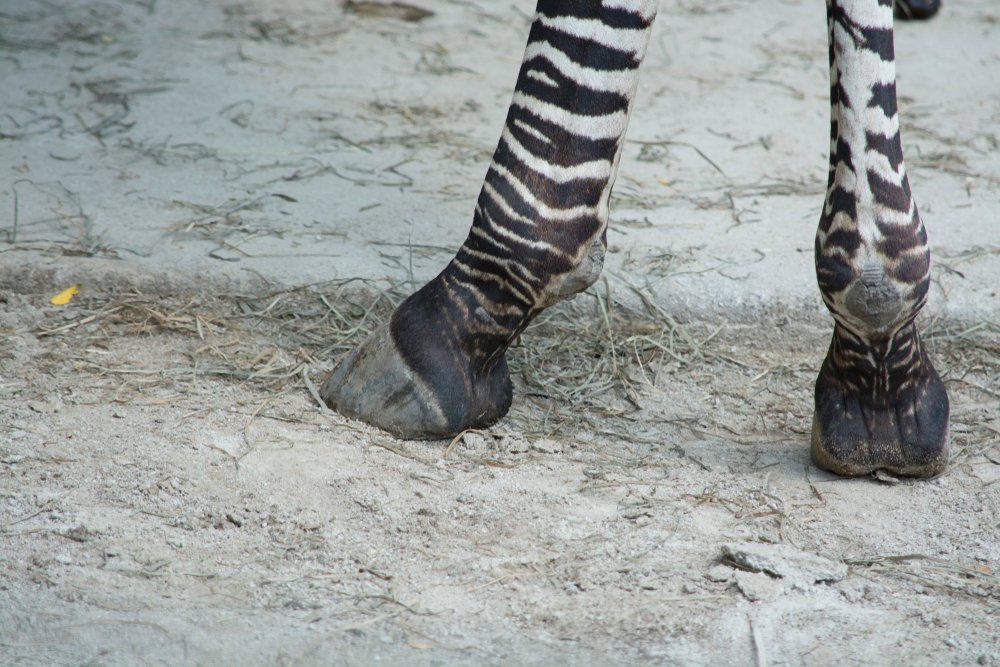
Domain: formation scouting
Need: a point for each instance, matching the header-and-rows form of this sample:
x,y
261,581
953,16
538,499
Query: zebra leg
x,y
538,233
879,402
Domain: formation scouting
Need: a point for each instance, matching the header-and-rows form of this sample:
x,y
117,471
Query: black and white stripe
x,y
539,233
880,403
870,232
543,210
544,203
872,257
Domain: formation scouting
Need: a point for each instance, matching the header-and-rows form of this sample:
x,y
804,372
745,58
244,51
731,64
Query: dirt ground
x,y
226,181
178,141
172,494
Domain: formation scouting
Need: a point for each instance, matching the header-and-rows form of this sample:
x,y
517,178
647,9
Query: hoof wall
x,y
438,396
908,437
374,384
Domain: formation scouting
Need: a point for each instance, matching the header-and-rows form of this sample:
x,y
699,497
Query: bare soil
x,y
172,494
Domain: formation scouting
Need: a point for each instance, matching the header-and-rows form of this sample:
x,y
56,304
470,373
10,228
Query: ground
x,y
243,190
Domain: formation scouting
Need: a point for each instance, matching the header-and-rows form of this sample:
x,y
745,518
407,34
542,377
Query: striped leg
x,y
879,402
538,233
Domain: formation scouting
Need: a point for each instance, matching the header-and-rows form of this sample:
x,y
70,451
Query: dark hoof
x,y
855,435
917,9
377,385
374,385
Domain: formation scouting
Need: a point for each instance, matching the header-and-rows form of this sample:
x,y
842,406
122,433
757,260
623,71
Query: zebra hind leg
x,y
538,233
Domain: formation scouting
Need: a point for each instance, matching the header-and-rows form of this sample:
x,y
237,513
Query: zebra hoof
x,y
907,436
377,385
917,9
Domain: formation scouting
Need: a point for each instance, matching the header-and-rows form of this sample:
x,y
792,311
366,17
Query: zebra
x,y
539,235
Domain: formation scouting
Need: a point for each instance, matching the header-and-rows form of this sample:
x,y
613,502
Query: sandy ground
x,y
171,141
170,493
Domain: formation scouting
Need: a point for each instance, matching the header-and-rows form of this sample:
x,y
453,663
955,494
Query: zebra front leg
x,y
879,402
538,233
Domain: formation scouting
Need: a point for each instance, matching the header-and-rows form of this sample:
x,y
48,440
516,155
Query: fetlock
x,y
582,276
874,301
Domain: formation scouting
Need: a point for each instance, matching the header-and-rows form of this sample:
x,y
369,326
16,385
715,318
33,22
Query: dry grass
x,y
601,365
577,352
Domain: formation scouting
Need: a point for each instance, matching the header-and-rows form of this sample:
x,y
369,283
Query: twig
x,y
47,507
246,432
311,388
758,645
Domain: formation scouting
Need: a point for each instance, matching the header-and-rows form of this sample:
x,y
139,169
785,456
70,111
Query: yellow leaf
x,y
63,297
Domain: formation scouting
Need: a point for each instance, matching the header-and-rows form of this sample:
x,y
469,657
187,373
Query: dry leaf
x,y
64,297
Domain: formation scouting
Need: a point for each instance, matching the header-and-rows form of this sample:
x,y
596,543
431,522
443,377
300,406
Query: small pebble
x,y
720,573
758,587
